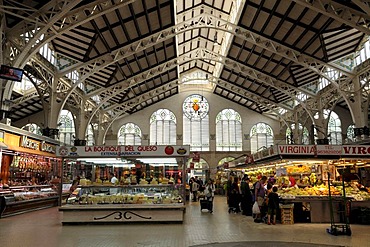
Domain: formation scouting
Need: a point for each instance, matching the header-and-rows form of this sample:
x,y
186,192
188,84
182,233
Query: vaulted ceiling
x,y
266,55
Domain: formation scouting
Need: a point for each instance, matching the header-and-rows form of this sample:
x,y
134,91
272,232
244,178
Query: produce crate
x,y
287,217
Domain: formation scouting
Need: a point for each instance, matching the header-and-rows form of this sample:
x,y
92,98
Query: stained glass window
x,y
129,134
196,122
228,131
261,137
163,128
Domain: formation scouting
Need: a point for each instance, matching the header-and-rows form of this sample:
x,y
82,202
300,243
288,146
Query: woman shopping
x,y
209,192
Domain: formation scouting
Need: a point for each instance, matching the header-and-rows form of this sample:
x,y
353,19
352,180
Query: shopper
x,y
228,189
259,194
234,197
195,188
246,196
114,179
209,192
273,205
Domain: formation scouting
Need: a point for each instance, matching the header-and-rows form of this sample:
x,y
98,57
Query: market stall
x,y
29,172
125,183
301,173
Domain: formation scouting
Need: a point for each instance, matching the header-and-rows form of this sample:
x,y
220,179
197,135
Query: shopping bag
x,y
255,208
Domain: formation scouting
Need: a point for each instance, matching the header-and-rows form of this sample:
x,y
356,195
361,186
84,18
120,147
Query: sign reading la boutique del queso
x,y
36,145
123,151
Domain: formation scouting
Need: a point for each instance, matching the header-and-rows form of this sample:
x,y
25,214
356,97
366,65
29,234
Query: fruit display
x,y
320,190
312,178
309,183
298,169
351,191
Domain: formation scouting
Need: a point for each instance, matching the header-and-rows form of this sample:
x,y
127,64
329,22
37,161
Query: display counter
x,y
360,212
316,209
125,203
21,199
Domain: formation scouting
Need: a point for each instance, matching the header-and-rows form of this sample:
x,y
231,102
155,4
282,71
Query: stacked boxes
x,y
287,214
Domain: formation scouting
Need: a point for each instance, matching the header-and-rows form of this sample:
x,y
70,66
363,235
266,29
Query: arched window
x,y
262,137
228,131
66,128
303,132
163,128
196,123
129,134
33,128
334,129
351,134
198,169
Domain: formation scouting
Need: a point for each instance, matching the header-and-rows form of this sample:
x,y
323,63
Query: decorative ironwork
x,y
120,215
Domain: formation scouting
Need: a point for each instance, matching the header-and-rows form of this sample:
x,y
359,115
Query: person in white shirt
x,y
113,180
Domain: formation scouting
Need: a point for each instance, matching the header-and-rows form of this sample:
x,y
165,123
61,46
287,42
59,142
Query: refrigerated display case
x,y
121,184
21,199
125,203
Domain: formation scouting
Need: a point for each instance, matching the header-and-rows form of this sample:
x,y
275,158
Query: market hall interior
x,y
200,228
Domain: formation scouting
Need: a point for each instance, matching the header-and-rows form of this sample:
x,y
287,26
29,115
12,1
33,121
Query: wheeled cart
x,y
343,227
204,204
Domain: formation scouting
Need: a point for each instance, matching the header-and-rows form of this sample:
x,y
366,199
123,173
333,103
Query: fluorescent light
x,y
164,161
103,160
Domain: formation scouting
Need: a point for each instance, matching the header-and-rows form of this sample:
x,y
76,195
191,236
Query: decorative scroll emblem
x,y
119,215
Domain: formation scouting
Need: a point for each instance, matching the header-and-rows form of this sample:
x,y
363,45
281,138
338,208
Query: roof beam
x,y
202,21
342,13
64,19
108,93
120,111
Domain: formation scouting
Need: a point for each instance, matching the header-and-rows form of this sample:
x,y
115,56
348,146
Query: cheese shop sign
x,y
35,145
124,151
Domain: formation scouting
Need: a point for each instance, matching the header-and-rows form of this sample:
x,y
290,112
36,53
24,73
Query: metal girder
x,y
341,13
63,20
119,111
44,70
56,10
328,97
247,94
203,54
204,20
364,5
25,97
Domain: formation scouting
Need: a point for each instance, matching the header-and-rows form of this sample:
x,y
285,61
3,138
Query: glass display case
x,y
119,184
22,199
128,194
125,203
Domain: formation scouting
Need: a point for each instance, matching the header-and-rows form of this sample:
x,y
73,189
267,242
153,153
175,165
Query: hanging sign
x,y
123,151
196,157
192,165
249,159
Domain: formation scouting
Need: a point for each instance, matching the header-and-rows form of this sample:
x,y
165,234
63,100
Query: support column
x,y
297,138
99,133
81,125
52,110
321,127
358,110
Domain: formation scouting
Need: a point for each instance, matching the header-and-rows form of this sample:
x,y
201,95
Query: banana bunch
x,y
313,178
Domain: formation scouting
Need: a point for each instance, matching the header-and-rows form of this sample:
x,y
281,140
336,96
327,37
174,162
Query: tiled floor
x,y
220,229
